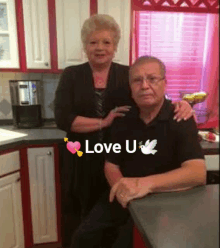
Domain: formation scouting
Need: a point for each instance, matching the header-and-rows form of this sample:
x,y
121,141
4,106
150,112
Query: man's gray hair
x,y
100,22
146,59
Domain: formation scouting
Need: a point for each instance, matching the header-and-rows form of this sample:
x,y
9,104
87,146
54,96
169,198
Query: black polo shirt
x,y
169,143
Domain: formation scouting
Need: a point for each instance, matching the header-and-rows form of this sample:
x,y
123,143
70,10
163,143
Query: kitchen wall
x,y
49,81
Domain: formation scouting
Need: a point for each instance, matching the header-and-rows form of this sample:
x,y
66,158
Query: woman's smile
x,y
100,48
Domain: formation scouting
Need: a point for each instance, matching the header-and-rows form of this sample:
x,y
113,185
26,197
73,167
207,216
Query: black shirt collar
x,y
164,113
166,110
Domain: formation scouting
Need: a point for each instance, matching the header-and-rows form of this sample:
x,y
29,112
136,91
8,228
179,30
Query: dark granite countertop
x,y
29,136
51,134
187,219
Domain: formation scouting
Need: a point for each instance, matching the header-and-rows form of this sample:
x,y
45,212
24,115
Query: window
x,y
184,34
179,40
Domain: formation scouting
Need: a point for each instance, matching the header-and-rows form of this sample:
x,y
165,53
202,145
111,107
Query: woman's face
x,y
100,47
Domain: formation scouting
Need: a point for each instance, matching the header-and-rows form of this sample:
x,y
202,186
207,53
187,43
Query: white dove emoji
x,y
148,147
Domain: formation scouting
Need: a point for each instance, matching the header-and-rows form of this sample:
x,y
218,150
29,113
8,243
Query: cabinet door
x,y
11,220
212,162
8,35
9,162
43,197
36,26
121,11
70,16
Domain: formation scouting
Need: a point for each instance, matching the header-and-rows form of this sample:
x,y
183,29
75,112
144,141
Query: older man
x,y
168,158
177,162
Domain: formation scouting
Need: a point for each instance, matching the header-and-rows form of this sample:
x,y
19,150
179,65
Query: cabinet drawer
x,y
9,162
212,162
11,220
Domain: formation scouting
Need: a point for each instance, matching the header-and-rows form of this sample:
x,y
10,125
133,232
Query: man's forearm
x,y
179,179
112,173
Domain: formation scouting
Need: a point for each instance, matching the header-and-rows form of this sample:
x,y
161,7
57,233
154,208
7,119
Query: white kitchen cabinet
x,y
212,162
11,218
8,35
43,195
36,27
121,11
9,162
70,16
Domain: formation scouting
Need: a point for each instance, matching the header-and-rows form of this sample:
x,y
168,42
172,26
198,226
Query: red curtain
x,y
211,73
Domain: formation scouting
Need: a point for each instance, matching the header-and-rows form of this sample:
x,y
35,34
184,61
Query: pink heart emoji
x,y
72,146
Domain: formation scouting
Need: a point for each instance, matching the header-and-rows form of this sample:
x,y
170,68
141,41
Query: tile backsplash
x,y
49,82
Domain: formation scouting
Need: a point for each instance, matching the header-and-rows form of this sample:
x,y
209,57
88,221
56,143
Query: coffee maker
x,y
26,102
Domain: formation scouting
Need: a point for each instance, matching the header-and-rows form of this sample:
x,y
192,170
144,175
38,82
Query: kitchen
x,y
40,48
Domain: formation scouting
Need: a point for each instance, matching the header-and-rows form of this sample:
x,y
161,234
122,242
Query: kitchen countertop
x,y
187,219
28,136
46,134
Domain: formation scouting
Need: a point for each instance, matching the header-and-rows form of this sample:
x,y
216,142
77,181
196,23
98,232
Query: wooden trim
x,y
138,5
137,18
21,37
137,239
131,36
26,199
7,174
53,35
47,245
10,70
8,151
93,7
58,71
174,9
58,191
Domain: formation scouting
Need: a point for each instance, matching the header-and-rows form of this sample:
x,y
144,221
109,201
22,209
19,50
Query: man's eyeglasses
x,y
150,79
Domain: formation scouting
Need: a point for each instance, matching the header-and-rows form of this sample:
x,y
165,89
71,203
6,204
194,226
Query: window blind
x,y
179,40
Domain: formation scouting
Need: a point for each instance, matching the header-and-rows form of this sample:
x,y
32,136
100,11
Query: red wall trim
x,y
137,239
53,35
9,150
173,9
176,5
58,191
9,70
137,34
10,173
131,32
21,37
93,7
26,199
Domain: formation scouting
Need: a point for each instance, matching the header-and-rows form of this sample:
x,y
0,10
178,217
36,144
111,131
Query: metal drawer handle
x,y
49,153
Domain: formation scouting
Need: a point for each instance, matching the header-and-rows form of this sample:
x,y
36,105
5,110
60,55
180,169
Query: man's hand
x,y
127,189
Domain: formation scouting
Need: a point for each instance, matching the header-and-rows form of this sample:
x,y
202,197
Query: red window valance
x,y
196,6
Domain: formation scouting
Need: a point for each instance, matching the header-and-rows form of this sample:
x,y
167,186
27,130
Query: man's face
x,y
150,92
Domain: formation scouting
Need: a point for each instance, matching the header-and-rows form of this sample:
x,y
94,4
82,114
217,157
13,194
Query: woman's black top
x,y
76,96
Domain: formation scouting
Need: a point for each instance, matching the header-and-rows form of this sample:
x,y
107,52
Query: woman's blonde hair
x,y
100,22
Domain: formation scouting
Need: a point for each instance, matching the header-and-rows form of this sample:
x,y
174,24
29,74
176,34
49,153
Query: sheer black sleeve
x,y
64,100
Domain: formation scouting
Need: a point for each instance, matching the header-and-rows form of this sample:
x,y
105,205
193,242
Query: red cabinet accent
x,y
137,239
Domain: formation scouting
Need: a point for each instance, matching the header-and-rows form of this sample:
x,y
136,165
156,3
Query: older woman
x,y
88,98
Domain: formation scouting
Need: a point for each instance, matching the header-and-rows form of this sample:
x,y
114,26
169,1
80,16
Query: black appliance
x,y
26,102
